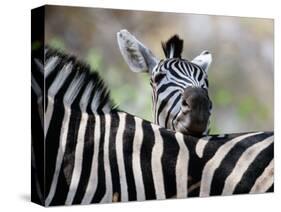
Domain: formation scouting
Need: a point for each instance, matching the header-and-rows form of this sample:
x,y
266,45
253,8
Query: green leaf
x,y
222,98
57,43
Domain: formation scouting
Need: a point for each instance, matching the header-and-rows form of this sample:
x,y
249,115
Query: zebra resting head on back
x,y
180,87
84,150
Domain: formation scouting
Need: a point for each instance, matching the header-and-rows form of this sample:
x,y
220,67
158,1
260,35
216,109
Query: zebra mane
x,y
74,84
173,47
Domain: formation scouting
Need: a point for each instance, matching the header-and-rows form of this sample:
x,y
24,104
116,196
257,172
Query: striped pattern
x,y
94,156
169,81
168,166
110,173
236,164
179,87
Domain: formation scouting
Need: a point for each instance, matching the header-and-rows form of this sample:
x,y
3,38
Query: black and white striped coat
x,y
97,153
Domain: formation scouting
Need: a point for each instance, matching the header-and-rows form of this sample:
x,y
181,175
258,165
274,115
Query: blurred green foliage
x,y
94,59
57,42
240,77
213,127
250,104
222,98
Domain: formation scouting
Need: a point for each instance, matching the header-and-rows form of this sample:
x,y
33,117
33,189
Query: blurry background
x,y
240,77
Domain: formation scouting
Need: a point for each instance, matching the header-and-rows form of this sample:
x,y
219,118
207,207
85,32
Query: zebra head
x,y
180,87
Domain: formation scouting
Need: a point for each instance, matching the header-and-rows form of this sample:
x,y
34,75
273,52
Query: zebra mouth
x,y
181,128
186,130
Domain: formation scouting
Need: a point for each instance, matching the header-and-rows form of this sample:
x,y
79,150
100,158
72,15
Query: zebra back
x,y
91,156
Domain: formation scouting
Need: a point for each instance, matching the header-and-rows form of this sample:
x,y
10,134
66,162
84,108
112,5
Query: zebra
x,y
180,87
86,150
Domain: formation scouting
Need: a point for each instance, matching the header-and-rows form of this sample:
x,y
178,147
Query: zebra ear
x,y
203,60
137,56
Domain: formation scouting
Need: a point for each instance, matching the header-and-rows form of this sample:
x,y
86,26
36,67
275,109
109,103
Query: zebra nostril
x,y
186,105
